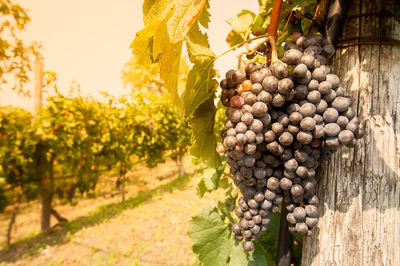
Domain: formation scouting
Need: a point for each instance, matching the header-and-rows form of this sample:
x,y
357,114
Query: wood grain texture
x,y
359,188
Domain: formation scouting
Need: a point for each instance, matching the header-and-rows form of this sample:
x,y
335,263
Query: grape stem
x,y
271,35
242,43
274,53
276,11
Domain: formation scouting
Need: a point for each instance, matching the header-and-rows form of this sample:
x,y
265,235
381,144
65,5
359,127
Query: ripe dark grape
x,y
239,76
281,121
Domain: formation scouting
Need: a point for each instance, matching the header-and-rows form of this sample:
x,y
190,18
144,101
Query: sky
x,y
87,41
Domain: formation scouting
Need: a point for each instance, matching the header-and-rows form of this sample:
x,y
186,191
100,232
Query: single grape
x,y
307,124
260,109
318,74
302,228
270,83
292,56
279,69
341,104
257,77
239,76
308,109
300,70
285,86
248,245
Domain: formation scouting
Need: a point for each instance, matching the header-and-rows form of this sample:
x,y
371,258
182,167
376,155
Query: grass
x,y
149,228
32,245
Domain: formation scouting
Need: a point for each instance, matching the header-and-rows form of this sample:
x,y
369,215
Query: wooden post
x,y
38,85
359,188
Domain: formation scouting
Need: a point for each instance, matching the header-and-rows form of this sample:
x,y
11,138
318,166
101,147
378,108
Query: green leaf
x,y
243,21
259,26
169,70
269,240
234,38
224,183
204,141
201,188
212,237
185,15
162,43
144,37
197,46
253,258
204,17
226,207
200,86
155,9
210,180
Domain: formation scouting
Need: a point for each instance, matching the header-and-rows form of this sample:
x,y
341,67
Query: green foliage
x,y
242,22
204,141
17,149
210,180
15,55
295,16
74,138
212,237
169,24
215,245
167,27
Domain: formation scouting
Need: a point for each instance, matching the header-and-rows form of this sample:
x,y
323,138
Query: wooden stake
x,y
38,85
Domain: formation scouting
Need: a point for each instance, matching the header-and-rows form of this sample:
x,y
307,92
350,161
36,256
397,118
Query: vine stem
x,y
276,11
273,28
241,44
285,240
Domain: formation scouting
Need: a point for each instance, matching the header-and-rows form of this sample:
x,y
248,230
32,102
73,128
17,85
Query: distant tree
x,y
146,78
15,55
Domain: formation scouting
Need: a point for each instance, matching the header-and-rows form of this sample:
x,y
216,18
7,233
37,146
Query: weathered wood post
x,y
359,188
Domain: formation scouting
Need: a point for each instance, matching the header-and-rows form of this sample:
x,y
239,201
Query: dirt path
x,y
148,229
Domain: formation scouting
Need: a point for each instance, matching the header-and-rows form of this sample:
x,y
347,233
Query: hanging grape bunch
x,y
281,119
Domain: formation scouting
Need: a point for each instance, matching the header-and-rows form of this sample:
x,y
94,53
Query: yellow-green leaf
x,y
200,86
197,45
155,9
144,37
204,17
212,238
204,141
185,15
242,22
169,69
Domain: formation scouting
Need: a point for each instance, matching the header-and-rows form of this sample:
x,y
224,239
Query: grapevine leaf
x,y
169,70
259,26
234,38
200,86
185,15
204,17
197,45
242,22
201,188
212,237
224,183
269,239
204,140
253,258
142,41
155,9
161,38
226,207
210,180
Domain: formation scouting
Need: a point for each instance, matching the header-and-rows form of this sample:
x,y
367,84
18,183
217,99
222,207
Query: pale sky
x,y
88,40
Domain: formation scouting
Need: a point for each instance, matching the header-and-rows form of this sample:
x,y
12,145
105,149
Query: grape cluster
x,y
281,120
